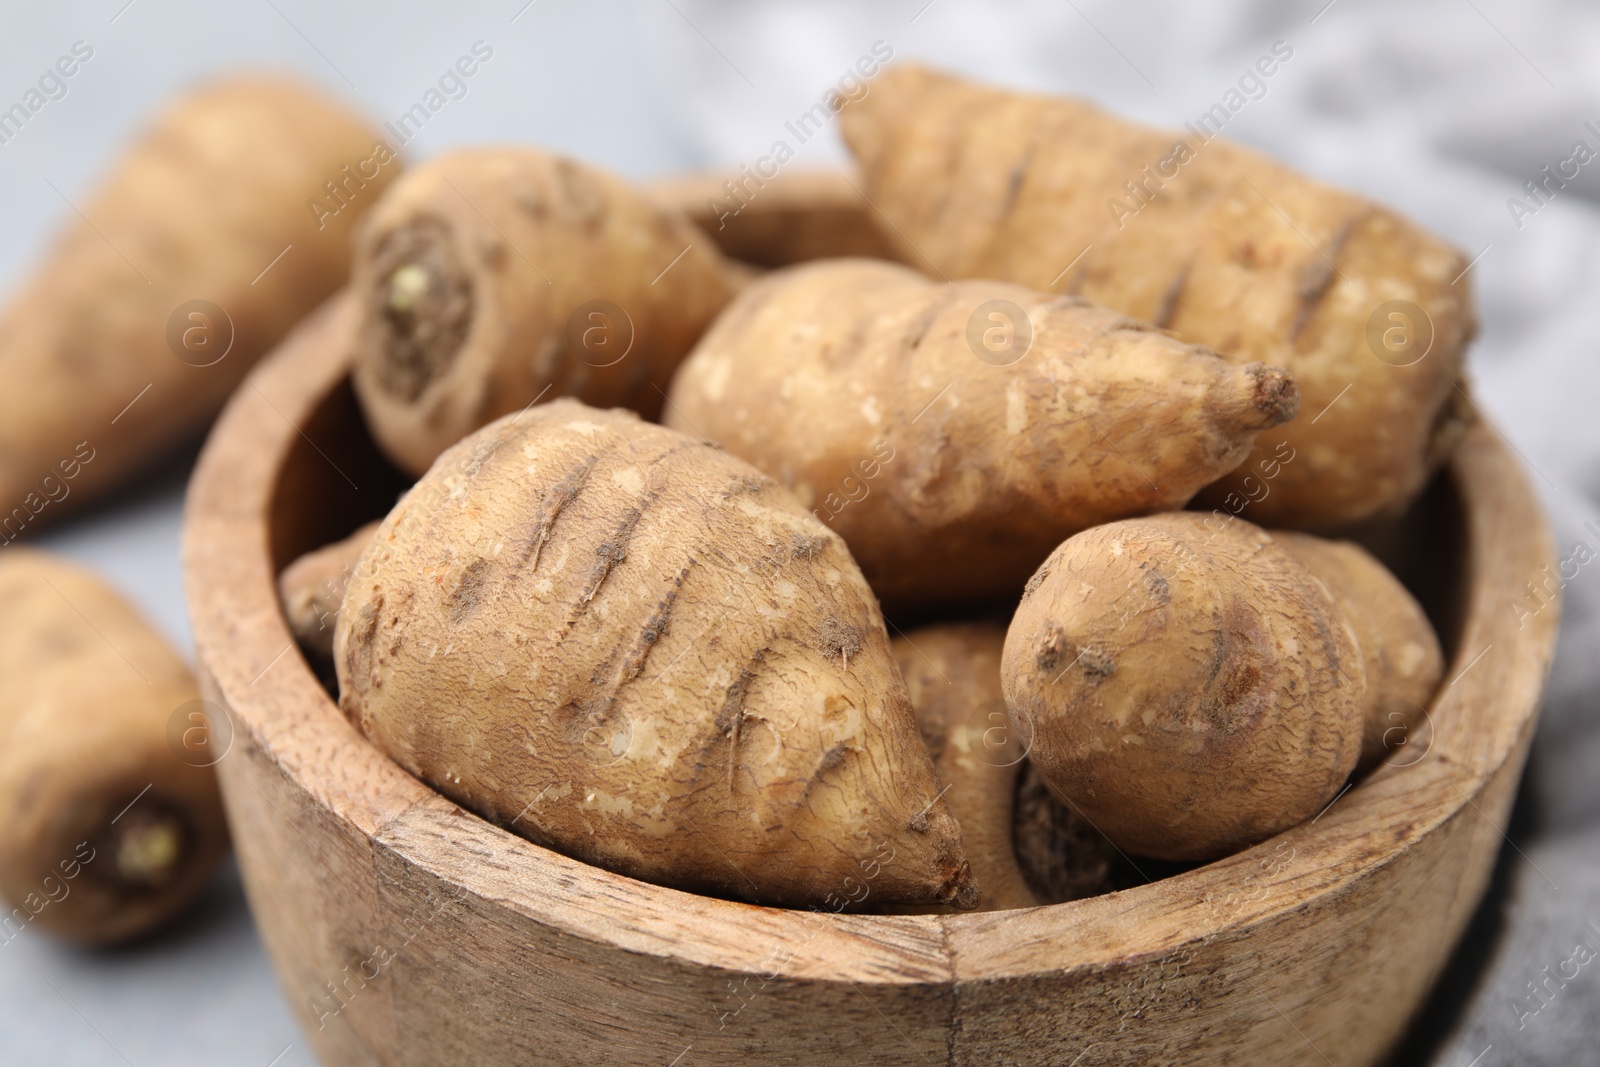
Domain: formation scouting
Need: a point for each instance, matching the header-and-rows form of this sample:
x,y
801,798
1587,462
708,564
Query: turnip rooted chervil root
x,y
631,647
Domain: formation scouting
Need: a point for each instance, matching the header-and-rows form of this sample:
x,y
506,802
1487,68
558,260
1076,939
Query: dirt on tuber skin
x,y
633,648
1222,246
1404,662
311,590
491,278
108,359
104,832
856,384
1192,687
952,674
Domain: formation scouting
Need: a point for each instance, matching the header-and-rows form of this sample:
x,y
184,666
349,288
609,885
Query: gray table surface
x,y
1443,108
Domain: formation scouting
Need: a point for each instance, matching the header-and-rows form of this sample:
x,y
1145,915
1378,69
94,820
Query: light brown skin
x,y
104,832
1192,687
311,590
1234,252
636,649
1403,660
475,275
952,674
853,382
200,205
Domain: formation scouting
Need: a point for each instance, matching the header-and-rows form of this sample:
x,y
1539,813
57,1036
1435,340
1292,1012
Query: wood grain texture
x,y
407,931
798,215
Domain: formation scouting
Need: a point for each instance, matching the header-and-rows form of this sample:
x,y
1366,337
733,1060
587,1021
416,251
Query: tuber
x,y
1398,646
638,650
212,236
951,470
1208,239
311,590
492,278
952,674
1060,855
1191,687
105,831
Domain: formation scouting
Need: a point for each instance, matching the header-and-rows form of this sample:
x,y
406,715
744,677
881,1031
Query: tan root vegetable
x,y
797,216
154,304
1060,855
311,590
104,831
950,468
952,673
1192,688
490,278
636,649
1206,238
1398,646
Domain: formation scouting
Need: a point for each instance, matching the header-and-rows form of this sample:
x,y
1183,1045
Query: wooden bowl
x,y
408,931
796,215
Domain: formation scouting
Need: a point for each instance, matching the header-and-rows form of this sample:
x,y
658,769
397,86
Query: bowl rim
x,y
1484,713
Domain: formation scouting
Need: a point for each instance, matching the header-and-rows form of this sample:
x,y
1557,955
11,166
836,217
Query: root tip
x,y
960,892
1274,395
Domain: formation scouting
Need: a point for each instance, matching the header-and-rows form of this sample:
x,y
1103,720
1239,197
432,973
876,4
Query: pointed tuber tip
x,y
1274,395
960,892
